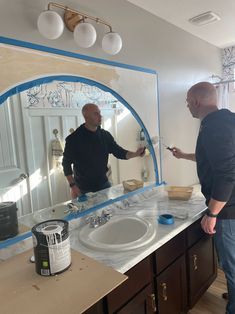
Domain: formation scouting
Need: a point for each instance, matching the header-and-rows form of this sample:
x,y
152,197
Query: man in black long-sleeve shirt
x,y
88,149
215,157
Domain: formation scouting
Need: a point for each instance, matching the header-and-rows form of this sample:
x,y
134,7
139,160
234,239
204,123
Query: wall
x,y
180,59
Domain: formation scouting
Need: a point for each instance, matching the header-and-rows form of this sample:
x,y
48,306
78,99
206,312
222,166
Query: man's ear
x,y
196,103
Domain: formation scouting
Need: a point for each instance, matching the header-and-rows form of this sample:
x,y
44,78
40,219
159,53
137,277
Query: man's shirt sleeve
x,y
219,146
67,159
114,148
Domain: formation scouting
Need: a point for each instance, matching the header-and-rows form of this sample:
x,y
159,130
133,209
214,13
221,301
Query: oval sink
x,y
54,212
118,234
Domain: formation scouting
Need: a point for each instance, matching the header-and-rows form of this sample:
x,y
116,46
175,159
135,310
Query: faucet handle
x,y
72,207
106,213
92,221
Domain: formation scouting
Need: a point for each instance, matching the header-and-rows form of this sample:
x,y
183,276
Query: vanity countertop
x,y
152,204
147,205
23,287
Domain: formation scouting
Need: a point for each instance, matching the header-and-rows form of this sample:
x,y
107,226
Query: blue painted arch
x,y
71,78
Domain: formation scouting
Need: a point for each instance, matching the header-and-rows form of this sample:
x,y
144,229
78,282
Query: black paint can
x,y
8,220
51,247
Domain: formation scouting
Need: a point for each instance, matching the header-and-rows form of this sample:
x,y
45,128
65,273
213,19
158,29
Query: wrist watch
x,y
72,184
210,214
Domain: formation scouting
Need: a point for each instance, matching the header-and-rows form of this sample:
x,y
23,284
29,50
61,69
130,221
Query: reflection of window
x,y
69,95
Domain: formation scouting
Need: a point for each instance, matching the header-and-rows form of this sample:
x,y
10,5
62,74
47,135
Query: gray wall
x,y
180,59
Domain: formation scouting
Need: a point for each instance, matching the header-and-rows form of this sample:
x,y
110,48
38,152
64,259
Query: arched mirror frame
x,y
72,78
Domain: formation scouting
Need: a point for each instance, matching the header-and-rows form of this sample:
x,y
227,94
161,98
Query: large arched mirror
x,y
41,105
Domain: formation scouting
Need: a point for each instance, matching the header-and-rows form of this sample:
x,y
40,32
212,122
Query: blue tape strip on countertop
x,y
11,241
72,216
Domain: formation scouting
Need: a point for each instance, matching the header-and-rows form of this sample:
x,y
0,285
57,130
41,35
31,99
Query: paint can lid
x,y
51,229
50,226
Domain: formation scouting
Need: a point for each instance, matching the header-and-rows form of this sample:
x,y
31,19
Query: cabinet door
x,y
202,268
172,289
142,303
138,277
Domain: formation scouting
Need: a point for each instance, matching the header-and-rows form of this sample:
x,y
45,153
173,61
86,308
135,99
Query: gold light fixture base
x,y
71,20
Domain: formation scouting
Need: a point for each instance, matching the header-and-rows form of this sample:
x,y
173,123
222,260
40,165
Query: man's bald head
x,y
202,99
92,116
87,108
205,92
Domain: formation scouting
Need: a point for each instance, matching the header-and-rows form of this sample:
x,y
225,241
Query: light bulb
x,y
112,43
50,24
85,35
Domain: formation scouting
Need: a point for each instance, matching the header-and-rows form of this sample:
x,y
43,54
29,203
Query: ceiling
x,y
178,12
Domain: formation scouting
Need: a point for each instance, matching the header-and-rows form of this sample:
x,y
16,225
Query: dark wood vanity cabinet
x,y
202,264
143,303
171,276
169,281
136,295
172,288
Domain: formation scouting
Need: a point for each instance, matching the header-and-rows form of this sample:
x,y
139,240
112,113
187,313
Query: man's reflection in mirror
x,y
86,153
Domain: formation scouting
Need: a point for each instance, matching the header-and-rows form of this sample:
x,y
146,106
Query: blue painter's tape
x,y
11,241
25,44
72,78
166,219
82,198
75,215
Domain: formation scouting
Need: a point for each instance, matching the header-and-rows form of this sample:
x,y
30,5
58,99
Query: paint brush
x,y
168,147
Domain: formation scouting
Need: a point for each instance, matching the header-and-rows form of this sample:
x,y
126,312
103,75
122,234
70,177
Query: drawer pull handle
x,y
164,292
152,303
195,267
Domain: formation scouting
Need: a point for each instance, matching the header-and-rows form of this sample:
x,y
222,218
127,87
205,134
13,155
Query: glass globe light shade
x,y
85,35
112,43
50,24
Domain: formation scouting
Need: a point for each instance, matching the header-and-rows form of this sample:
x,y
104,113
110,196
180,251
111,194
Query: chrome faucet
x,y
71,208
99,220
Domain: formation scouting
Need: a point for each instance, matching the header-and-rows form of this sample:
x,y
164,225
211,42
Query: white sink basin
x,y
54,212
118,234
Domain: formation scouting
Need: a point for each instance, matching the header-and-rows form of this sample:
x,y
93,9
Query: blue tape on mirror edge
x,y
166,219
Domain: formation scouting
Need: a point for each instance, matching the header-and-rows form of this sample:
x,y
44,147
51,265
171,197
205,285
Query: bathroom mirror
x,y
41,94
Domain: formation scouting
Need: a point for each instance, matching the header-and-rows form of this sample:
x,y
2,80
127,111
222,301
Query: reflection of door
x,y
47,181
13,170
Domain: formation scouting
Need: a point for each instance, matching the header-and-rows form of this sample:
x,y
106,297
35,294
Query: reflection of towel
x,y
56,152
57,148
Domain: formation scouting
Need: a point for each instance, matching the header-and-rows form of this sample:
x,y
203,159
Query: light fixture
x,y
51,25
84,35
112,43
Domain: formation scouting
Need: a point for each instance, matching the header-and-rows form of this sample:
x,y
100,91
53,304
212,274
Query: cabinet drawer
x,y
194,233
138,277
170,251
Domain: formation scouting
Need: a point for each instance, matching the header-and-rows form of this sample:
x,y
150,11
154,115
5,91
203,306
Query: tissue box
x,y
183,193
133,184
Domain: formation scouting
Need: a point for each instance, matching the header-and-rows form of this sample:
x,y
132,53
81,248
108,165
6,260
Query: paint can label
x,y
59,256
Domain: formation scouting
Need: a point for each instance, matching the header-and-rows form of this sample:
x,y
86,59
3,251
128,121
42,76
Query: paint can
x,y
51,247
8,220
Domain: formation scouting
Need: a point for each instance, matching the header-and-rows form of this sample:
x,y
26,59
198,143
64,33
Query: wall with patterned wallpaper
x,y
228,61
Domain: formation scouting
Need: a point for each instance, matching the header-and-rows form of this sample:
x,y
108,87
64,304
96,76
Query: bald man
x,y
88,149
215,158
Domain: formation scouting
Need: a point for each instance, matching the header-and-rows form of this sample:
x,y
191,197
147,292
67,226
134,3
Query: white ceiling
x,y
178,12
